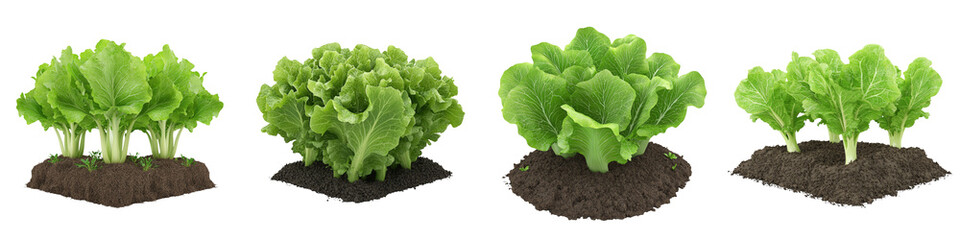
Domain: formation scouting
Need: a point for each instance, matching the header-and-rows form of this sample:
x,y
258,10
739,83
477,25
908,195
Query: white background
x,y
238,44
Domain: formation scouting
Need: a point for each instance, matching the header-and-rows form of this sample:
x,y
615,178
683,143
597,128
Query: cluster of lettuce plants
x,y
601,99
844,96
117,93
360,111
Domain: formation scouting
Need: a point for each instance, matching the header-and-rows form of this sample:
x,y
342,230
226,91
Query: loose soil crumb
x,y
319,178
818,170
566,187
120,185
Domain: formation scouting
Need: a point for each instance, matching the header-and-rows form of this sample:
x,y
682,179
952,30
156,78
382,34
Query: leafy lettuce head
x,y
361,110
598,98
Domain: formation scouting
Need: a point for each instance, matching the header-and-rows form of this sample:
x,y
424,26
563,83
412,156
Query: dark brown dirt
x,y
818,170
319,178
566,187
120,185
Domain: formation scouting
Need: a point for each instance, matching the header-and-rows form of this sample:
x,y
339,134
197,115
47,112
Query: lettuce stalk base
x,y
791,139
834,137
72,140
642,146
114,140
850,148
164,140
896,138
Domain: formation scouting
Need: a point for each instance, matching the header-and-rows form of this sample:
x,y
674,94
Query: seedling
x,y
54,158
186,162
92,163
524,168
146,163
674,168
670,155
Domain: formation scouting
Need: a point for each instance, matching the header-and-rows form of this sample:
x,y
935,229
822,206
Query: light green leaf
x,y
872,74
166,98
371,139
289,116
117,78
662,65
764,95
920,84
592,41
553,60
671,108
577,74
534,106
31,111
599,143
605,98
514,76
628,56
647,97
207,107
64,95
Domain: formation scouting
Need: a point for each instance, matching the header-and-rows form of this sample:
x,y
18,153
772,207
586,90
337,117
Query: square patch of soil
x,y
319,178
818,170
566,187
121,184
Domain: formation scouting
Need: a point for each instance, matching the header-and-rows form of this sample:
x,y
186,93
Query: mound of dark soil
x,y
819,171
319,178
120,185
566,187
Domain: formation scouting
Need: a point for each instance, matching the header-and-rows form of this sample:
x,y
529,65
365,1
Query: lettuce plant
x,y
180,102
765,96
361,111
109,89
918,84
844,96
43,105
601,99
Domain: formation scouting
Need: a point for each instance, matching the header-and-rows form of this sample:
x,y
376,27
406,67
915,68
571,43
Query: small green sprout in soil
x,y
145,162
674,167
670,156
186,162
54,158
91,163
524,168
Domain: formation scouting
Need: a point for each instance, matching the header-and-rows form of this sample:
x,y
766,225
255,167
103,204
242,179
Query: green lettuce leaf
x,y
596,98
671,107
534,105
369,140
118,80
764,96
919,85
599,143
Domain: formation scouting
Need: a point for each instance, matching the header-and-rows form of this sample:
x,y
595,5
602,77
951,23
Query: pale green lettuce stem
x,y
834,137
791,139
72,140
114,140
642,146
896,138
163,141
850,147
